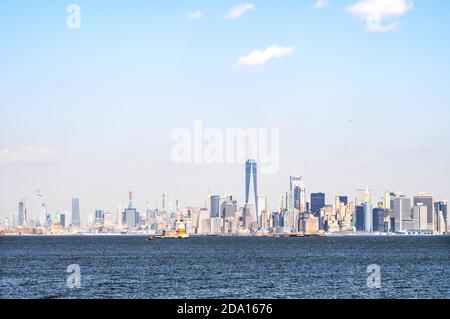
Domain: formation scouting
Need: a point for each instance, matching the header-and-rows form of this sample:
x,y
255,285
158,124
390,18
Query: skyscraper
x,y
215,207
22,213
359,218
99,218
76,212
251,183
389,199
427,200
130,216
420,215
442,206
297,189
368,217
317,203
402,212
378,220
62,220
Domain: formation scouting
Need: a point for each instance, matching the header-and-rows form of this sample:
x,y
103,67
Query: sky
x,y
357,88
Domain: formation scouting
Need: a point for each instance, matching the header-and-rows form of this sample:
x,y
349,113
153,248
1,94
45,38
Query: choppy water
x,y
225,267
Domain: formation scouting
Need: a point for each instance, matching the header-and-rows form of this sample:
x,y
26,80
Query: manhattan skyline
x,y
89,113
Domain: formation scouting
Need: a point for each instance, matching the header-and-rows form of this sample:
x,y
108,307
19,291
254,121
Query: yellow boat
x,y
172,234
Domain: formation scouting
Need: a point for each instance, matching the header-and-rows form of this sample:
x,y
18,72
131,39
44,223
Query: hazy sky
x,y
89,112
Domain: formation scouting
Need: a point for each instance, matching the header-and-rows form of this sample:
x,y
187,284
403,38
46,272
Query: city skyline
x,y
395,212
89,112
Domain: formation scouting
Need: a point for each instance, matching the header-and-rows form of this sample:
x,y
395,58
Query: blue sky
x,y
354,107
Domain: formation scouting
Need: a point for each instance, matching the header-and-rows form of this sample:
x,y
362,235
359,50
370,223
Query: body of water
x,y
224,267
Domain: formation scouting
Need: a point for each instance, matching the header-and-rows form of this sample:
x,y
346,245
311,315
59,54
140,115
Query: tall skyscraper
x,y
62,220
378,220
130,216
99,218
389,199
22,213
368,217
76,212
420,216
298,192
359,214
251,183
215,206
402,212
442,206
427,200
317,203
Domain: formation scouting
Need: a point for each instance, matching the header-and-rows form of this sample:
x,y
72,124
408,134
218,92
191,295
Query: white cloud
x,y
258,58
239,10
320,4
31,155
375,11
194,15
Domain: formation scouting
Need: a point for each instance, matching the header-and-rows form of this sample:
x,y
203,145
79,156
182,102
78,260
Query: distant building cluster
x,y
295,213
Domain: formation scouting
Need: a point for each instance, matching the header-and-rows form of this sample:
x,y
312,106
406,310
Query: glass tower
x,y
251,183
75,212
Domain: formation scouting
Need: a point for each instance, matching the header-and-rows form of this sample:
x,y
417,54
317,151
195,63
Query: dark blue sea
x,y
224,267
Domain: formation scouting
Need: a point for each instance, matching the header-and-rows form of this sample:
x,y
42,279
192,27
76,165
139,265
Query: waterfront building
x,y
298,191
360,218
22,213
130,217
204,221
216,225
427,200
99,218
62,220
378,220
108,219
402,212
441,229
420,217
228,207
76,212
441,207
329,221
317,203
389,200
215,206
249,216
262,206
368,217
308,223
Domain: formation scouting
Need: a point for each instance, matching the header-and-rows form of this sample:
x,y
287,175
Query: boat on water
x,y
179,233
